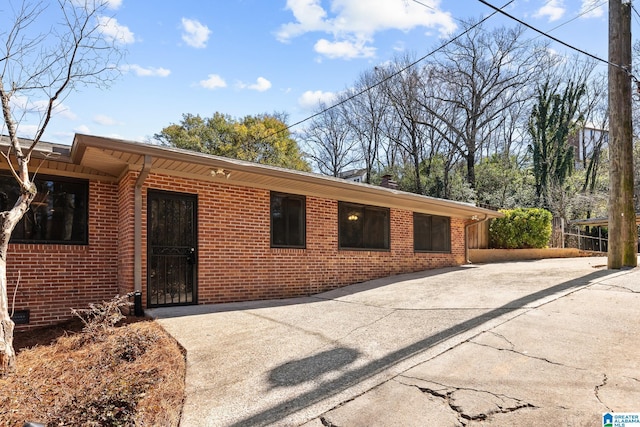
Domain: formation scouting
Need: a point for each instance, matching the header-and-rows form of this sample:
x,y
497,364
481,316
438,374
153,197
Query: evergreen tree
x,y
552,120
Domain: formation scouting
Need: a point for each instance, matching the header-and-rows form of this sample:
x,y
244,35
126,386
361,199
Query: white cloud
x,y
195,34
553,9
591,9
104,120
399,46
110,4
82,129
59,109
114,31
27,131
344,49
145,72
312,99
213,81
61,137
354,23
19,102
114,4
23,103
310,16
260,85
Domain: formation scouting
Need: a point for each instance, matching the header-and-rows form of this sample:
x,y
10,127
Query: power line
x,y
594,7
392,75
582,13
636,11
557,40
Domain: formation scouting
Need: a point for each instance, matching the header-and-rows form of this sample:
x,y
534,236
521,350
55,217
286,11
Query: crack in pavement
x,y
326,423
280,322
597,389
543,359
513,346
363,304
488,403
633,291
381,318
320,335
501,404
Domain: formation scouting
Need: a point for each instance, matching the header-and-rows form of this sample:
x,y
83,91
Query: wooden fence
x,y
478,235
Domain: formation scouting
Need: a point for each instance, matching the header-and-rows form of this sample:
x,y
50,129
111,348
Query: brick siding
x,y
52,279
235,260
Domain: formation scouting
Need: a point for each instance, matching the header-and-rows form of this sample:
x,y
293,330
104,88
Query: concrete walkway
x,y
550,342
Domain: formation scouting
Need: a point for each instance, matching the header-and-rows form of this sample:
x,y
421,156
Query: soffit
x,y
114,157
53,159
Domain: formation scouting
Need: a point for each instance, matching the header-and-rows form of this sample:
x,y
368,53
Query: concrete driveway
x,y
550,342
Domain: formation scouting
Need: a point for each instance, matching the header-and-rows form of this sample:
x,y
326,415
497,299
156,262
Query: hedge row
x,y
521,228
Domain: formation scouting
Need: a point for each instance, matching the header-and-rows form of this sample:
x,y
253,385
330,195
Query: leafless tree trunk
x,y
365,114
42,66
329,141
483,74
402,91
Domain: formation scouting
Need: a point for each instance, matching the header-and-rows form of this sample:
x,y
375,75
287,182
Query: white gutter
x,y
466,236
137,224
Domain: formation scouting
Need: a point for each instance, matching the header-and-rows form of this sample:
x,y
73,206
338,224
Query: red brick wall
x,y
52,279
235,261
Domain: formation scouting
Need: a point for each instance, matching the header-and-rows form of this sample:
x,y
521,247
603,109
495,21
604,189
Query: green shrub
x,y
521,228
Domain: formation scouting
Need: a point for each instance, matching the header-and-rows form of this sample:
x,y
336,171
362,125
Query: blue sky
x,y
243,57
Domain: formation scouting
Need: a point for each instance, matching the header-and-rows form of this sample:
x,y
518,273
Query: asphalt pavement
x,y
530,343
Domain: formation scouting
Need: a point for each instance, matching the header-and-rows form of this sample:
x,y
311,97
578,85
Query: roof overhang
x,y
109,159
52,159
116,157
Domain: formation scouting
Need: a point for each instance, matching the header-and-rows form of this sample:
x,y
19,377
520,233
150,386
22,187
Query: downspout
x,y
137,235
466,235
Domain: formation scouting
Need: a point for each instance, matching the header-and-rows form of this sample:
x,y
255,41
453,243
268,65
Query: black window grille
x,y
363,227
431,233
288,223
58,214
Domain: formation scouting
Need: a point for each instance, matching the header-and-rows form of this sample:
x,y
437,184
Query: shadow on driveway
x,y
307,369
350,378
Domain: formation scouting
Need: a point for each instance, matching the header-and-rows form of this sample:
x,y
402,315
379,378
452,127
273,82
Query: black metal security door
x,y
171,246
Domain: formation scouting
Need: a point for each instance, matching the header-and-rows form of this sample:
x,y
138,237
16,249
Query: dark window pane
x,y
294,214
287,220
440,234
363,227
58,214
351,222
431,233
376,229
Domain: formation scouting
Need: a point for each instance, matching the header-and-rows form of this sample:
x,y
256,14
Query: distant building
x,y
585,141
355,175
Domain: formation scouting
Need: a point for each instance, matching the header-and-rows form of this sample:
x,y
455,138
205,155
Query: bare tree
x,y
40,63
407,122
483,74
329,141
365,115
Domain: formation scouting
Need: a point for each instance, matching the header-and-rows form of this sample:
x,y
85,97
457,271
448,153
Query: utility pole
x,y
623,235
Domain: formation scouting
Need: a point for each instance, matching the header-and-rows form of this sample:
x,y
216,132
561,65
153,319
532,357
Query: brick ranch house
x,y
114,216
